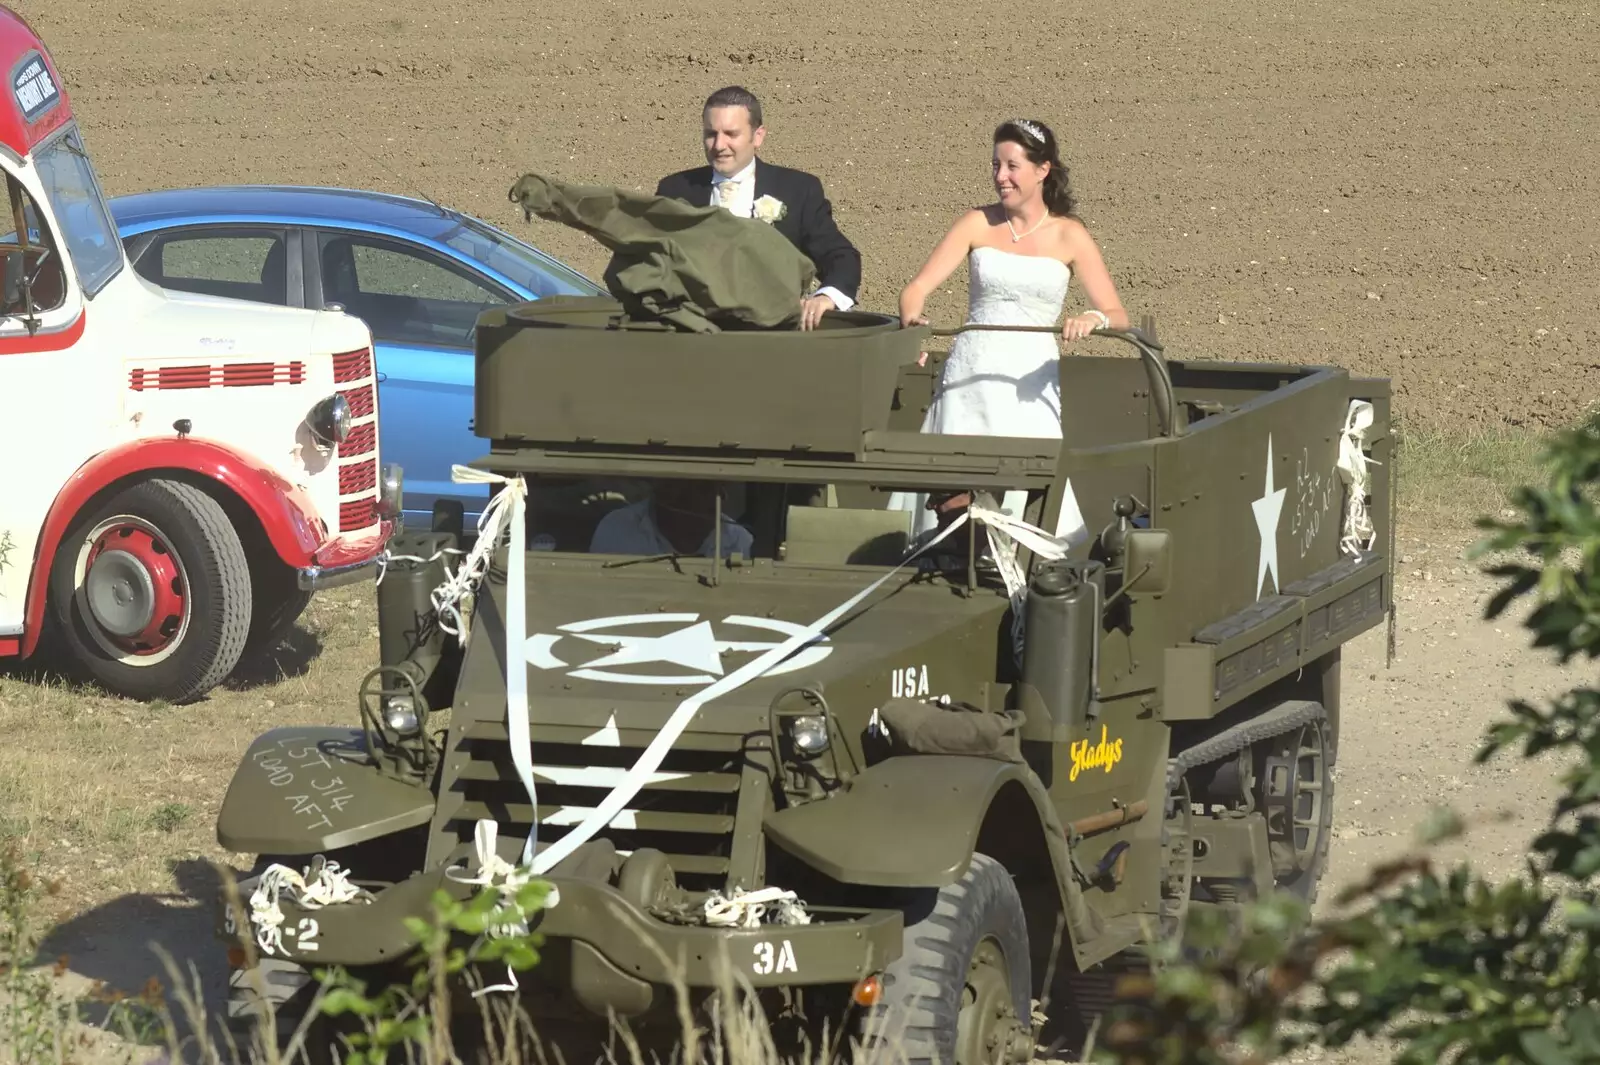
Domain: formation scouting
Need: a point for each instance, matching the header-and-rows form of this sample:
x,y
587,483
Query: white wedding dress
x,y
996,383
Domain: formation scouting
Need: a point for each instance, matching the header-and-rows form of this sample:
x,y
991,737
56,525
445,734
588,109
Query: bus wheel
x,y
151,593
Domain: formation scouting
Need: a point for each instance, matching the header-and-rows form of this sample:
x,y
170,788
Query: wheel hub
x,y
134,588
988,1031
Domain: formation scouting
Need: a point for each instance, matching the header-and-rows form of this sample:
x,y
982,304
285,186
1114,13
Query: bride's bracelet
x,y
1105,322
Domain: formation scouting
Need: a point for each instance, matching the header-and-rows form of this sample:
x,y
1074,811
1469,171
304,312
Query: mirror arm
x,y
1120,592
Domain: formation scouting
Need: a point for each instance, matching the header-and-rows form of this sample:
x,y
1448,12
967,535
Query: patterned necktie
x,y
727,193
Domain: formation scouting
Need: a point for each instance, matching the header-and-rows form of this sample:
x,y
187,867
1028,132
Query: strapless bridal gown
x,y
1001,384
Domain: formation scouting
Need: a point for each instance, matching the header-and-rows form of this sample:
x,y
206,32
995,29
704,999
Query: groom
x,y
732,130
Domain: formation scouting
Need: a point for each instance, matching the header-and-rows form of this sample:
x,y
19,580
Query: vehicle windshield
x,y
74,194
539,274
807,524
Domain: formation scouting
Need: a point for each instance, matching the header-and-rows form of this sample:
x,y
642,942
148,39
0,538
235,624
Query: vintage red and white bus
x,y
180,472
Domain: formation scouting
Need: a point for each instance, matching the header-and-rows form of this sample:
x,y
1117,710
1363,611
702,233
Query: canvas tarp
x,y
699,268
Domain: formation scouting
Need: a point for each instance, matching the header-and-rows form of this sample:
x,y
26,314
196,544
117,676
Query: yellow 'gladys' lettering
x,y
1102,755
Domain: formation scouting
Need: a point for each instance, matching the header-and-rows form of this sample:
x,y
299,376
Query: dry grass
x,y
109,792
1449,479
120,799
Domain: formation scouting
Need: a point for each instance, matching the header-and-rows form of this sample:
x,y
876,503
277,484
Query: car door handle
x,y
382,377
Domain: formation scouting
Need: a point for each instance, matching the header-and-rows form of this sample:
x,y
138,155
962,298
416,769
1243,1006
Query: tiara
x,y
1029,128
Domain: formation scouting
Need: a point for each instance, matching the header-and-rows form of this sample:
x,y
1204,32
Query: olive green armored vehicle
x,y
786,703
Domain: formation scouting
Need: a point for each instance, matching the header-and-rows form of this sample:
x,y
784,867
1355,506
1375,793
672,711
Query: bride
x,y
1022,251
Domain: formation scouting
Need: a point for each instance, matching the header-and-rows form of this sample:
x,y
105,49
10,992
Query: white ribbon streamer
x,y
448,596
1352,465
330,887
507,879
746,909
513,499
1004,533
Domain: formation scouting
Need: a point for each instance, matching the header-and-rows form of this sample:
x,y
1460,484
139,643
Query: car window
x,y
246,266
534,271
406,294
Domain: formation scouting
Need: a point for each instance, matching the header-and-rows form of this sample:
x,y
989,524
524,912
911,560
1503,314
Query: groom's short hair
x,y
736,96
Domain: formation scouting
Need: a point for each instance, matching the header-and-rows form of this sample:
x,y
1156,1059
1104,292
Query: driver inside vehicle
x,y
676,519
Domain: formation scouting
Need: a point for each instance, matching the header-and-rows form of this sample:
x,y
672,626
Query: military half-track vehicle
x,y
957,781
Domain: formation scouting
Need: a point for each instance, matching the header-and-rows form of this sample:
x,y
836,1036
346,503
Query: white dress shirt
x,y
632,530
741,200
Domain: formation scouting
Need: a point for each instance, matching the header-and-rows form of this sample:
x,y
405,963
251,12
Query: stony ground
x,y
1404,189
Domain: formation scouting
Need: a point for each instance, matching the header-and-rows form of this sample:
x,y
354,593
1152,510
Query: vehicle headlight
x,y
809,735
400,714
329,420
391,491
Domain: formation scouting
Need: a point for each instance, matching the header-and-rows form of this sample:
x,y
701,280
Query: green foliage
x,y
1444,964
170,816
377,1024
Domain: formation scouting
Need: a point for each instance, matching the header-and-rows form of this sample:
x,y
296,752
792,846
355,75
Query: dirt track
x,y
1403,188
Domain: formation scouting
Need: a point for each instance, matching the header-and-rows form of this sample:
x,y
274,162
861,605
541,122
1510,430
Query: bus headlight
x,y
329,420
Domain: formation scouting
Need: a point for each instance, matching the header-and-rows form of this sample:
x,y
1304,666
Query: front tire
x,y
150,593
961,991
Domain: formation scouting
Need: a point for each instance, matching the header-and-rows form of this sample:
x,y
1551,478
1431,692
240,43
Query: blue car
x,y
418,274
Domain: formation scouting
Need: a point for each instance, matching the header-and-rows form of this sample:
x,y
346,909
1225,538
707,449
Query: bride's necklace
x,y
1015,236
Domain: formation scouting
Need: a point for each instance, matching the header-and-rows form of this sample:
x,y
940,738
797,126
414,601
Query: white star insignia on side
x,y
1268,509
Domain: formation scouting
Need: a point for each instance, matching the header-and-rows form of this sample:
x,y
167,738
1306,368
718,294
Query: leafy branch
x,y
416,1012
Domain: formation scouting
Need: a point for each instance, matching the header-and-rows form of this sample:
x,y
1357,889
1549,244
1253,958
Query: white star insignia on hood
x,y
694,647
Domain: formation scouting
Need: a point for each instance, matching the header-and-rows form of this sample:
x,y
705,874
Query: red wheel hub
x,y
135,588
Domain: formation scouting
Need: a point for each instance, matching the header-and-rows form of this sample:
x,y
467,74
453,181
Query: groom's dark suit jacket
x,y
808,224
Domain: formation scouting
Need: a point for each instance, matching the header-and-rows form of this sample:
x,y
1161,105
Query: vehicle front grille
x,y
357,477
352,366
356,514
360,400
360,440
686,809
358,455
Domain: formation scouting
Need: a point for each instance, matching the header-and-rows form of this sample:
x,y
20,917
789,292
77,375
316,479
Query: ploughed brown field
x,y
1401,188
1404,189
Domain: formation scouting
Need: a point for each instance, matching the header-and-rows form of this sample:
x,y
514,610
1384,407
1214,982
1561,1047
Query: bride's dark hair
x,y
1038,143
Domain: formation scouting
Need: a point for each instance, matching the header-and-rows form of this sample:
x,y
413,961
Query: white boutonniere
x,y
769,209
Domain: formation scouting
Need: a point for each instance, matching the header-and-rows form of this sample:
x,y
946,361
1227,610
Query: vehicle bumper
x,y
346,560
618,953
